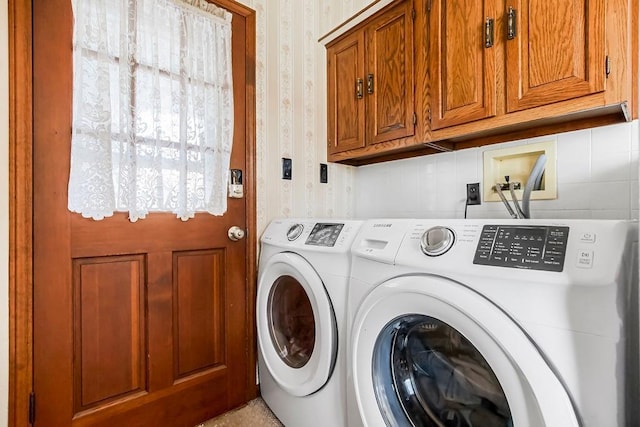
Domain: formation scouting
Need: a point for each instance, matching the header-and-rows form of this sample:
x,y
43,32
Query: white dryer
x,y
301,319
494,323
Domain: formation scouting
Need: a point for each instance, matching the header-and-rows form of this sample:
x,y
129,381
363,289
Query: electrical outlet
x,y
473,194
324,173
286,168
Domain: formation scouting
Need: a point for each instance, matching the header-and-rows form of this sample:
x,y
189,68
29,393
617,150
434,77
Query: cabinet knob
x,y
511,23
488,33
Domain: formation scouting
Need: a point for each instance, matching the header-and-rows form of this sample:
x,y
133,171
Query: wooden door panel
x,y
557,53
390,105
199,339
109,313
136,324
463,81
345,65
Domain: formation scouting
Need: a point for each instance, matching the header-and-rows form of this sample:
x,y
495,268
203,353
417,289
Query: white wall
x,y
4,214
597,178
335,13
291,115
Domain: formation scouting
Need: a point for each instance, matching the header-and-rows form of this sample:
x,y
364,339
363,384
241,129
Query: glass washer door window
x,y
297,333
291,321
431,374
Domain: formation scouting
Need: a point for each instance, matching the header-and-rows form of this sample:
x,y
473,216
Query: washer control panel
x,y
519,246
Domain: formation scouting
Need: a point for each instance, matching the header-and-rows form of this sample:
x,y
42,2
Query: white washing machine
x,y
301,319
525,323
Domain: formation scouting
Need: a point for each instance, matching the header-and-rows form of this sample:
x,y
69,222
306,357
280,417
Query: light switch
x,y
324,173
286,168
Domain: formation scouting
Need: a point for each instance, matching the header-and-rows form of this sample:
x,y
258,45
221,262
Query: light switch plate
x,y
286,168
324,173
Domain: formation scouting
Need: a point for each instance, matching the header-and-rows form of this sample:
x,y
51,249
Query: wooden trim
x,y
21,205
20,213
250,189
252,239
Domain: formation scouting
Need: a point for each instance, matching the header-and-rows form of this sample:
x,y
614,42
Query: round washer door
x,y
296,324
431,351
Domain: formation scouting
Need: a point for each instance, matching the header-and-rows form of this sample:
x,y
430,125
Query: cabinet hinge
x,y
415,119
428,5
607,66
32,408
413,14
429,116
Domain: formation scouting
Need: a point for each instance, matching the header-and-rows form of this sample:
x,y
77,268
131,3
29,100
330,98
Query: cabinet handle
x,y
511,24
488,33
359,88
370,84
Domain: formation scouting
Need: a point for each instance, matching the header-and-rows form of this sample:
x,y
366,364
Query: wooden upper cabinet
x,y
389,76
556,51
462,60
370,89
345,93
440,75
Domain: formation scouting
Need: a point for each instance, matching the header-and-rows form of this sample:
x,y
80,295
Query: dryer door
x,y
429,351
297,335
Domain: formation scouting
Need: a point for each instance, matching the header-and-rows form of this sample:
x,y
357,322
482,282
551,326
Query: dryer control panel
x,y
519,246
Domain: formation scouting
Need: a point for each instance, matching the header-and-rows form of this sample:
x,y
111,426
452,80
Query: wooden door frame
x,y
21,204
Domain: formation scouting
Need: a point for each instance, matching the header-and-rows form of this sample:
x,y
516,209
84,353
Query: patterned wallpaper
x,y
291,115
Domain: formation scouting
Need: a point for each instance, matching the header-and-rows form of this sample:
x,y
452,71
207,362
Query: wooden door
x,y
345,94
135,324
462,63
389,78
556,53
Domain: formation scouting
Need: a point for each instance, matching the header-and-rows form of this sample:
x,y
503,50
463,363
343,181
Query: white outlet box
x,y
516,163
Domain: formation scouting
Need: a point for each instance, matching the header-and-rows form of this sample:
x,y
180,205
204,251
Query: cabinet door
x,y
462,64
345,94
556,52
389,75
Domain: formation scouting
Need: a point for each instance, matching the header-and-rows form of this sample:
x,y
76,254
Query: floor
x,y
253,414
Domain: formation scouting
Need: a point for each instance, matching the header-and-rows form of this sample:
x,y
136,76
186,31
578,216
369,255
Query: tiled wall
x,y
597,178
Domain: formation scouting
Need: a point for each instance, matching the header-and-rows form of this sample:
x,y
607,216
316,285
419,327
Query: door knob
x,y
235,233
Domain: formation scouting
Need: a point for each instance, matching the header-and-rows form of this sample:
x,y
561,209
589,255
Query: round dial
x,y
294,232
437,240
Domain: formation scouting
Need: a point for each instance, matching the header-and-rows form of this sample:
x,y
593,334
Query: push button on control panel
x,y
585,259
588,237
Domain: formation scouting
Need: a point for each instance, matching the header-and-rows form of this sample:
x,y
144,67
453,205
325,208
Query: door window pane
x,y
291,321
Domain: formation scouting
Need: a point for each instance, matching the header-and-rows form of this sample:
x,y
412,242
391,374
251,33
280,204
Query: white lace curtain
x,y
152,108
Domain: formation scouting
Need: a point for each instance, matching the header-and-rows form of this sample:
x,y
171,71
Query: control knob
x,y
437,240
294,232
